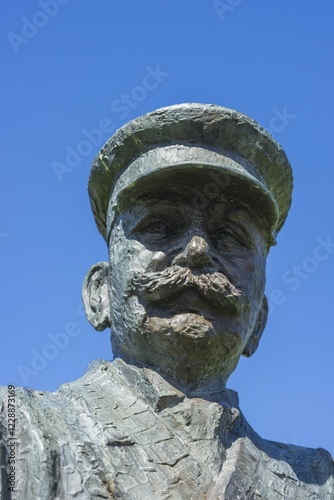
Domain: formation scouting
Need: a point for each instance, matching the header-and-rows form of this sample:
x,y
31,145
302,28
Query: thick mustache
x,y
214,287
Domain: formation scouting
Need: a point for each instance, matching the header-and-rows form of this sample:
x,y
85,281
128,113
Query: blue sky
x,y
74,72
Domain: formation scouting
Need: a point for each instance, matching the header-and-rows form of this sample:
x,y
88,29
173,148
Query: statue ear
x,y
261,321
95,296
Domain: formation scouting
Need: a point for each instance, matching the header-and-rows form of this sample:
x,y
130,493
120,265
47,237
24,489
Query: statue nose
x,y
196,254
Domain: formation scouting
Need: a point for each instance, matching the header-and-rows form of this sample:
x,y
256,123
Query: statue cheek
x,y
139,257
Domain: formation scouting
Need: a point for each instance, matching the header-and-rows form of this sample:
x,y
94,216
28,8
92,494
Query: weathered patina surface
x,y
124,432
189,200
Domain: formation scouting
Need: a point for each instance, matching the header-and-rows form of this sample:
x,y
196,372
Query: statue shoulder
x,y
267,469
57,435
309,464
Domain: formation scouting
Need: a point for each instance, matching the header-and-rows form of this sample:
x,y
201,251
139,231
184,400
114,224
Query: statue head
x,y
189,199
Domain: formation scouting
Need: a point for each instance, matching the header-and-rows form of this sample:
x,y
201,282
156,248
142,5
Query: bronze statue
x,y
189,199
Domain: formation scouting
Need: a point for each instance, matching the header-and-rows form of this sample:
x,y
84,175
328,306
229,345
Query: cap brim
x,y
199,186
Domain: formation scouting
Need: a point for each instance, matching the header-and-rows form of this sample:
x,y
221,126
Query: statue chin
x,y
184,325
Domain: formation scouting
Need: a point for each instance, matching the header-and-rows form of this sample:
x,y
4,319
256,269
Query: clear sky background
x,y
68,67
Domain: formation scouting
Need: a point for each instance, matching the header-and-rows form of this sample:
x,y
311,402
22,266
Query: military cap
x,y
202,136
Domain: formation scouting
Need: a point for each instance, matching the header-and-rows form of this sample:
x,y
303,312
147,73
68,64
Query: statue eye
x,y
157,228
229,239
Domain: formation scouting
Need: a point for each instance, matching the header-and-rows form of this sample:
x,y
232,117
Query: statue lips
x,y
211,291
185,302
192,316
